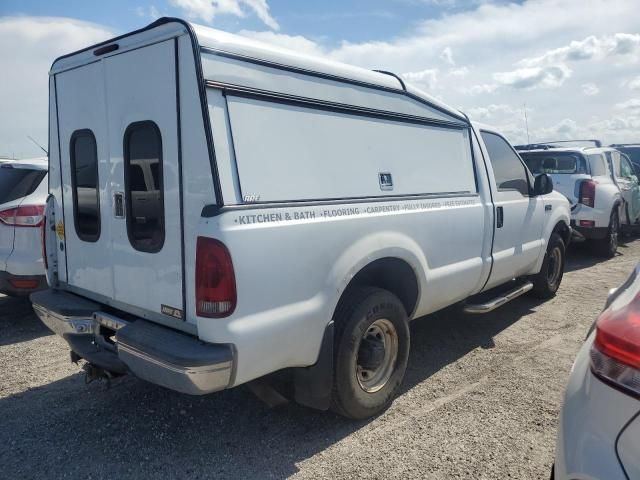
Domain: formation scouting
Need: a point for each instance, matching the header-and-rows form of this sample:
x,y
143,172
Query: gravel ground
x,y
480,400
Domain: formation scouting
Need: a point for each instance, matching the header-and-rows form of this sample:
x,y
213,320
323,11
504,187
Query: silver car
x,y
23,192
599,431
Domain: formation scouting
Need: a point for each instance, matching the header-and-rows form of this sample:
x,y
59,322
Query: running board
x,y
499,300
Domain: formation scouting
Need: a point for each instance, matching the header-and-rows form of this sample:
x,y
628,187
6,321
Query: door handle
x,y
499,217
118,205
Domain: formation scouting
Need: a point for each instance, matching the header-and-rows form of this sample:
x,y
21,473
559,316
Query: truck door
x,y
121,175
146,218
85,171
519,216
627,182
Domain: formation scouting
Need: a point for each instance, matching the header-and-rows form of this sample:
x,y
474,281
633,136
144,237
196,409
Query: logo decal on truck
x,y
386,181
172,312
60,230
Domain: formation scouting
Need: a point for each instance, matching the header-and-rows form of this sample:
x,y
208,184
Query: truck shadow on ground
x,y
136,429
18,322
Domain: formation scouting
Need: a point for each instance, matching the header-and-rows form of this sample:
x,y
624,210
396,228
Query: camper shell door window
x,y
83,153
144,196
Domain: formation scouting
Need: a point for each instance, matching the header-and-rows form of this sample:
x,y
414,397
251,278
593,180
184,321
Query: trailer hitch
x,y
93,372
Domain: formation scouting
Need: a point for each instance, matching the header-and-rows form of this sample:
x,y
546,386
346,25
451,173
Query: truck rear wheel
x,y
608,246
371,351
547,281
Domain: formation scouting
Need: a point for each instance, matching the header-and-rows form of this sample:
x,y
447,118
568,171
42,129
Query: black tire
x,y
608,246
359,314
547,281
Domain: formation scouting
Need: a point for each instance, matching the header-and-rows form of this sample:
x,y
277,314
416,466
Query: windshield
x,y
18,182
554,162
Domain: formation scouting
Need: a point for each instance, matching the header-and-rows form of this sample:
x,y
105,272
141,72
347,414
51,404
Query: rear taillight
x,y
23,216
23,284
615,354
215,279
588,193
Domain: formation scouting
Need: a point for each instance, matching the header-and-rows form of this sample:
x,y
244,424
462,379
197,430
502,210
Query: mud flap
x,y
313,385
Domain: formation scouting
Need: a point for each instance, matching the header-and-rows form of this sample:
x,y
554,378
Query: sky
x,y
572,65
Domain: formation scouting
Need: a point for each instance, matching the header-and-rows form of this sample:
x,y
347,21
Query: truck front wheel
x,y
371,351
547,281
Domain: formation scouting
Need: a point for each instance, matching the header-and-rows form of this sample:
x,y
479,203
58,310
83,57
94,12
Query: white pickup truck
x,y
220,210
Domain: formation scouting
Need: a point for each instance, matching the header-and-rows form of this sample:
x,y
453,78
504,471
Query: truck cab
x,y
220,210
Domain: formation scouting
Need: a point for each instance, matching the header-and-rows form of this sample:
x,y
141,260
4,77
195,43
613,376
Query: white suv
x,y
600,184
23,192
599,431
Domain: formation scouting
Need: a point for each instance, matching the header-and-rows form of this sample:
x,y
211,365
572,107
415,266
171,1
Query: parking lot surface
x,y
480,400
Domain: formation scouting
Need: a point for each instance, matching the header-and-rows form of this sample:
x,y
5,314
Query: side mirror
x,y
542,185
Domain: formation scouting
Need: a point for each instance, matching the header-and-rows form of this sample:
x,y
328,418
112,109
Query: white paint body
x,y
311,168
21,247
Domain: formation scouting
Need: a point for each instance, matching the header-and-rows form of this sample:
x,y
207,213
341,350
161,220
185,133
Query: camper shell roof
x,y
208,40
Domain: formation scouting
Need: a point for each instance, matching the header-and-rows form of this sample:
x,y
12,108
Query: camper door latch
x,y
118,204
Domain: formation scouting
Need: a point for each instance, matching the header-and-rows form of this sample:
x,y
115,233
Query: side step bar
x,y
499,300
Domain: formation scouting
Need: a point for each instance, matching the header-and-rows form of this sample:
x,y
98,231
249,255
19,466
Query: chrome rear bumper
x,y
151,352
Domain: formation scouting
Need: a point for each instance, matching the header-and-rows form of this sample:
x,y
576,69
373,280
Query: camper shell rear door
x,y
121,174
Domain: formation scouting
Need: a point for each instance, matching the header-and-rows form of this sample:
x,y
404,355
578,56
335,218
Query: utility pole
x,y
526,123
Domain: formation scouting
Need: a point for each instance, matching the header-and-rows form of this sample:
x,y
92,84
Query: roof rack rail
x,y
625,144
397,77
595,142
533,146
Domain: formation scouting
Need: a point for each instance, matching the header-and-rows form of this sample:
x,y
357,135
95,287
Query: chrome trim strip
x,y
204,369
63,325
498,301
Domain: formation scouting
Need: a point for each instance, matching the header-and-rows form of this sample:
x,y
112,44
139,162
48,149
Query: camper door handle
x,y
499,217
118,205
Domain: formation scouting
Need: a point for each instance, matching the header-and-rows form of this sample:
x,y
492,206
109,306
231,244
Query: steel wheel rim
x,y
372,380
555,262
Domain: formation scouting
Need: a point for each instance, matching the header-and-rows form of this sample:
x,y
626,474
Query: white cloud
x,y
447,56
590,89
207,10
634,84
480,89
426,79
149,12
631,104
493,110
296,43
29,46
589,48
459,72
534,77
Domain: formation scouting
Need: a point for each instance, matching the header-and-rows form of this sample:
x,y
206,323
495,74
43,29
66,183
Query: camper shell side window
x,y
83,153
144,189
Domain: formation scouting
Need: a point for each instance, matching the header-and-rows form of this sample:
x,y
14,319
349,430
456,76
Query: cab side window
x,y
508,169
144,197
84,184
